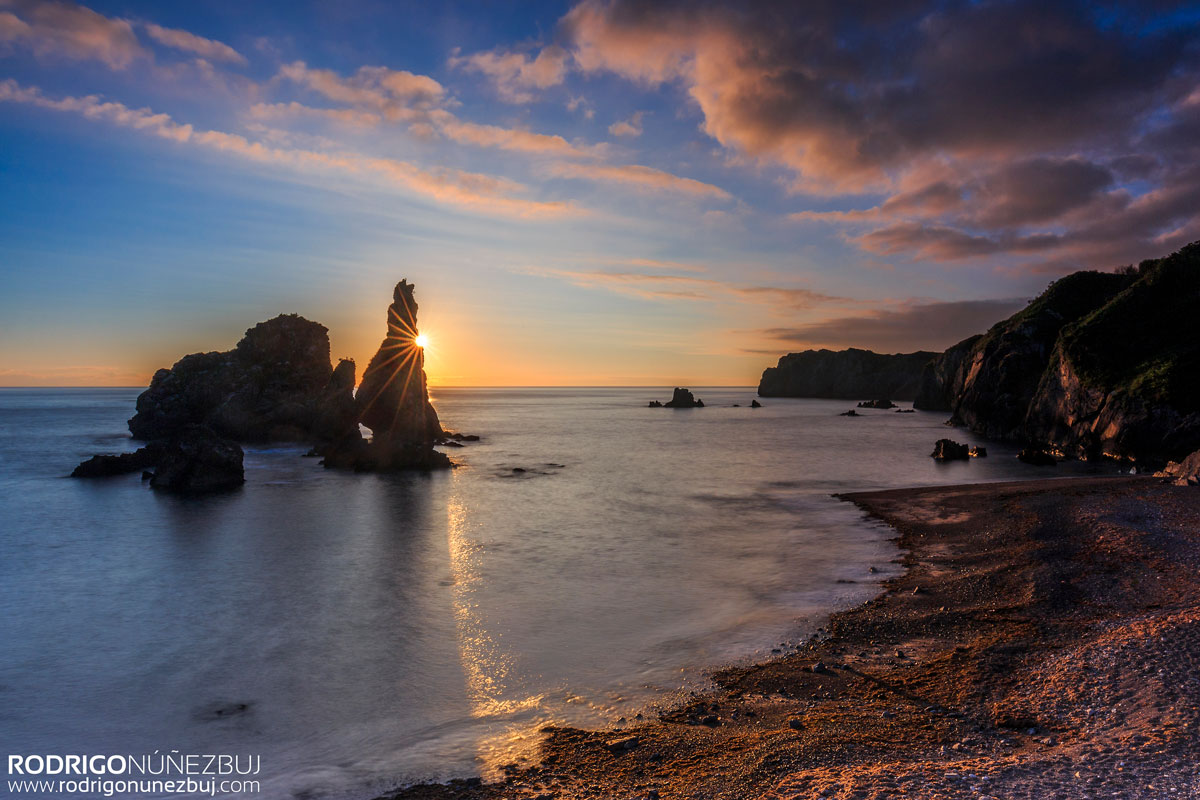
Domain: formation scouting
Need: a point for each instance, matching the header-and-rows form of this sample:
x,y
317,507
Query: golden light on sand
x,y
422,340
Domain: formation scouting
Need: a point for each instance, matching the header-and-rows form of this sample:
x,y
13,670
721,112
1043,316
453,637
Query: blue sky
x,y
583,193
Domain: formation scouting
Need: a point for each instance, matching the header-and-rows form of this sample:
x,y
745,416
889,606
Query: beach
x,y
1042,642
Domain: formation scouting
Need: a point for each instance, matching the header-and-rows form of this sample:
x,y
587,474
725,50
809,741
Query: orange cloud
x,y
477,192
639,176
66,29
515,75
191,43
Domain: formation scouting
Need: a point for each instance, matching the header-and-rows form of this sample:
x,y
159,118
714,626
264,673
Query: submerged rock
x,y
850,413
682,398
877,404
950,450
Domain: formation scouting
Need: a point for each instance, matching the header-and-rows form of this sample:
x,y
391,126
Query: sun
x,y
422,340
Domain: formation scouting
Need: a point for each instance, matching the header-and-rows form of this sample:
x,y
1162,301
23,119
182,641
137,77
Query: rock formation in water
x,y
193,460
1100,365
393,401
845,374
683,398
884,404
276,385
950,450
196,460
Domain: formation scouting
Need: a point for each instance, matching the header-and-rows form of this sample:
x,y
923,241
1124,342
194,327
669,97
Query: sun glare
x,y
422,340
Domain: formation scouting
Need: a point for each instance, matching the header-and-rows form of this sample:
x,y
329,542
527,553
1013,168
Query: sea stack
x,y
393,401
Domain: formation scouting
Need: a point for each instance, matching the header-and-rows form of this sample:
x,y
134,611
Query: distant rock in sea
x,y
682,398
755,404
276,385
846,374
950,450
877,404
393,401
1100,365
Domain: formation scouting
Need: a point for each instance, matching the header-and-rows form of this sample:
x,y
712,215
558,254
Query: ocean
x,y
589,559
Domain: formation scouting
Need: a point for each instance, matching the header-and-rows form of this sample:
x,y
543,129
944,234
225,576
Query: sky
x,y
590,193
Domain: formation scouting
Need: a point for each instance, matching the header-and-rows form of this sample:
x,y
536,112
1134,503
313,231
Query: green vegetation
x,y
1145,340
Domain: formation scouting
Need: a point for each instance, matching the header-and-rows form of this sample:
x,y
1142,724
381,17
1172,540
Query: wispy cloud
x,y
660,286
71,31
640,176
476,192
630,128
907,327
191,43
515,74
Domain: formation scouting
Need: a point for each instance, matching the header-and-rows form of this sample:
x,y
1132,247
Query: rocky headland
x,y
1101,365
845,375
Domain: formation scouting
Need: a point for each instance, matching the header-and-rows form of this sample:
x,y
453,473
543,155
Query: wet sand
x,y
1044,642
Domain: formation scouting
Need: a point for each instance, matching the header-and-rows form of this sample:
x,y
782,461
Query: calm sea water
x,y
389,629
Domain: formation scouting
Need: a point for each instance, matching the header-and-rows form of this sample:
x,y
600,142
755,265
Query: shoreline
x,y
1042,642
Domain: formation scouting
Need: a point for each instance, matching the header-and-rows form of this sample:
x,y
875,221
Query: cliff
x,y
846,374
1101,364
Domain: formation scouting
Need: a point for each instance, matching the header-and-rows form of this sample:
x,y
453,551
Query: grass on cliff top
x,y
1145,340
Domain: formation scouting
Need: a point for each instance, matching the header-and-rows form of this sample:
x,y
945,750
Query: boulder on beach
x,y
1182,473
877,404
196,460
950,450
682,398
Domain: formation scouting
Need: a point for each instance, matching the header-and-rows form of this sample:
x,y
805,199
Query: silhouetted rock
x,y
393,401
755,404
950,450
682,398
1037,457
276,385
850,413
978,452
1100,365
845,374
196,460
876,404
106,465
654,404
904,411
